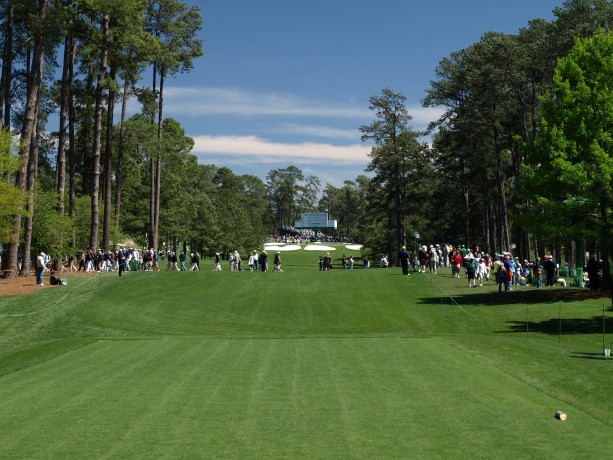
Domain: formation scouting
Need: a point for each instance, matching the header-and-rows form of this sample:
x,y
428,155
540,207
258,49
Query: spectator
x,y
41,265
55,280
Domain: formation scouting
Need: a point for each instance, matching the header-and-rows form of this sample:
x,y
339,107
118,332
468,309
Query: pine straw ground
x,y
26,284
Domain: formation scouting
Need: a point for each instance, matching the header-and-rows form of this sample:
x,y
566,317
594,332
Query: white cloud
x,y
422,116
276,151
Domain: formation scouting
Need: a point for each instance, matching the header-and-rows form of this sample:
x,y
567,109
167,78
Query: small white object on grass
x,y
561,415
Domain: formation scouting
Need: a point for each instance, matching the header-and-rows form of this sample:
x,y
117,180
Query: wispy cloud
x,y
235,101
320,131
204,101
267,151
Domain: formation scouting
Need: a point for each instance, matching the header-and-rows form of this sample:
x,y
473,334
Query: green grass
x,y
301,364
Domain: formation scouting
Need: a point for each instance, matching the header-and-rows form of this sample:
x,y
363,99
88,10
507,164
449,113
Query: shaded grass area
x,y
343,364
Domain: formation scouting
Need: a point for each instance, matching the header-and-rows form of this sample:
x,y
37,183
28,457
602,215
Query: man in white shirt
x,y
40,268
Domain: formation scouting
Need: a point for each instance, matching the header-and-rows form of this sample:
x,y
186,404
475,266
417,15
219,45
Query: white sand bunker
x,y
354,247
318,247
289,247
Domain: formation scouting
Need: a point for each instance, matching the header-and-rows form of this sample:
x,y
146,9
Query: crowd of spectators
x,y
289,234
507,270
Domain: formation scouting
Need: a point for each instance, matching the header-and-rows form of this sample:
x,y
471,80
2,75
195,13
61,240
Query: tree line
x,y
520,158
95,181
504,171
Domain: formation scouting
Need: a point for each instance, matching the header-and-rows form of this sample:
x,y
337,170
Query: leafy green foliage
x,y
12,200
571,163
290,194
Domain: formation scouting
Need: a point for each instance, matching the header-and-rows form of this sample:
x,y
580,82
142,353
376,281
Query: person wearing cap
x,y
538,273
444,255
251,261
121,260
500,271
182,258
327,262
513,263
232,261
255,260
194,262
383,262
404,260
456,263
508,270
54,280
217,262
422,255
40,269
277,262
550,270
471,272
238,261
433,259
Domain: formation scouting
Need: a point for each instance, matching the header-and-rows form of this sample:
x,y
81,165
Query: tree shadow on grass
x,y
582,355
525,296
565,326
589,325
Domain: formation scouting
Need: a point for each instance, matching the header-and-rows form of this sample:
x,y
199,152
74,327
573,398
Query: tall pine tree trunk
x,y
86,135
95,213
504,220
152,169
32,175
72,150
10,261
158,169
61,148
108,164
120,152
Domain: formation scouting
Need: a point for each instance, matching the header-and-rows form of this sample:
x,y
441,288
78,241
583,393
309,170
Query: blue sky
x,y
287,82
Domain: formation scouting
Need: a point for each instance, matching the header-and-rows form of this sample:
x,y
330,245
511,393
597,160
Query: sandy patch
x,y
354,247
289,247
318,247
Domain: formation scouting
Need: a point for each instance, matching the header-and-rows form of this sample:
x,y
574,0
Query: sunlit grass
x,y
300,364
